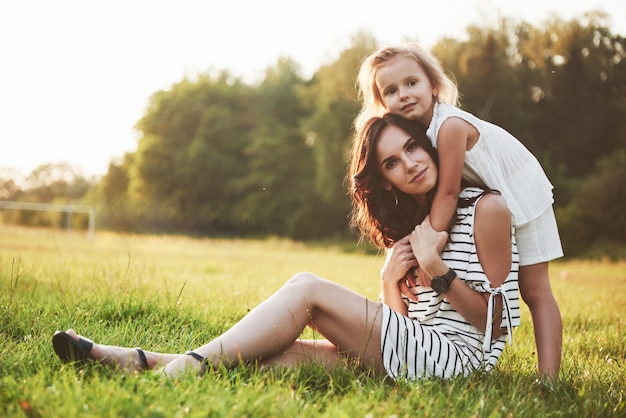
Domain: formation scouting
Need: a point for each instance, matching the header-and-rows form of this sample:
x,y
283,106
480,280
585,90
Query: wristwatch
x,y
441,284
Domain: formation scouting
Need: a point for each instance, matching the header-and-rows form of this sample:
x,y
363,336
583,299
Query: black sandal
x,y
70,350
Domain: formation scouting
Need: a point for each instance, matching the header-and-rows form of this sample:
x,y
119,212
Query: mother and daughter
x,y
451,318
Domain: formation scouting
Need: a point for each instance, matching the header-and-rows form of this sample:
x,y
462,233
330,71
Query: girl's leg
x,y
534,284
348,320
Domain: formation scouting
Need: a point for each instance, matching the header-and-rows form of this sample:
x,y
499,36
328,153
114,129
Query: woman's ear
x,y
386,185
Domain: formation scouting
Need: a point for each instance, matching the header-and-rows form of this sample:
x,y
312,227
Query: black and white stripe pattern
x,y
435,340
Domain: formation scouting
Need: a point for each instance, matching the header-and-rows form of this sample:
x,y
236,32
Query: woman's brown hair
x,y
380,215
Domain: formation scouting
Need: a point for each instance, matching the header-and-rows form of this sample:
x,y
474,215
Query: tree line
x,y
221,157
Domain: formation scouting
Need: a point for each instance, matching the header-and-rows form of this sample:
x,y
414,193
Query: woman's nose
x,y
409,164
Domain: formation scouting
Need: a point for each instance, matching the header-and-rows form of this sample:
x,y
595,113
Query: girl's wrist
x,y
435,267
389,285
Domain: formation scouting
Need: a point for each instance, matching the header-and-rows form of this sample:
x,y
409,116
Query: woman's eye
x,y
390,164
411,147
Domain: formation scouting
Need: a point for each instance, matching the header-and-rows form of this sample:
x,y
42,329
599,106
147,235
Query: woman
x,y
415,331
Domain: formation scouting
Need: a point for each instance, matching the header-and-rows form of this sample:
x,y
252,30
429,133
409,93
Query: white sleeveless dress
x,y
501,162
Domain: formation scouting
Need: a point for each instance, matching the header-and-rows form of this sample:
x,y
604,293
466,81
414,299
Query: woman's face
x,y
404,164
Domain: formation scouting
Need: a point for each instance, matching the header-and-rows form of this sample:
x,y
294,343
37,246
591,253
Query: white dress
x,y
501,162
435,340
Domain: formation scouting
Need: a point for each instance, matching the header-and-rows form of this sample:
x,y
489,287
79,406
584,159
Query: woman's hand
x,y
425,243
397,272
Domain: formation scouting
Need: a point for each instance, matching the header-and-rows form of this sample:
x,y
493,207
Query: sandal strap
x,y
198,357
142,357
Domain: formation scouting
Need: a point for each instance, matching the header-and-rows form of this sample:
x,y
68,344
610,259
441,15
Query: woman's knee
x,y
308,285
304,279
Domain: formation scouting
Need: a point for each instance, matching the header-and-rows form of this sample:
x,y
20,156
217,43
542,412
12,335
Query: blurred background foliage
x,y
220,157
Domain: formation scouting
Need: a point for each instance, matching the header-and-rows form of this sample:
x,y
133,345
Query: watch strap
x,y
449,276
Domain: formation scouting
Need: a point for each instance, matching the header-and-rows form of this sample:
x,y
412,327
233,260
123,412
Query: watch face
x,y
439,285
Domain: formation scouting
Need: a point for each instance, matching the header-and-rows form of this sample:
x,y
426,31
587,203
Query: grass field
x,y
174,293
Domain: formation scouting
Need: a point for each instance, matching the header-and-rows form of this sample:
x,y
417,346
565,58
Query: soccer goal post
x,y
50,207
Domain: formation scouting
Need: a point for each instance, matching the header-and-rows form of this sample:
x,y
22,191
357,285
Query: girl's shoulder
x,y
451,118
445,111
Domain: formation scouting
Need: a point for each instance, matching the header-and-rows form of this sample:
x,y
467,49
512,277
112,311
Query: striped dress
x,y
435,340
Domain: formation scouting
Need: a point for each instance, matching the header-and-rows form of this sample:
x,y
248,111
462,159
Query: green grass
x,y
175,293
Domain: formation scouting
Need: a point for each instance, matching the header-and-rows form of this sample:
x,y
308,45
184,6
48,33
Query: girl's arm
x,y
400,259
493,243
452,141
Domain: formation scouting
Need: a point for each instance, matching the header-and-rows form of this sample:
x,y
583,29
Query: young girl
x,y
409,81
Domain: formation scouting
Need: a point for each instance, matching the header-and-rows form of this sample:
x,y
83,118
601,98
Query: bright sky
x,y
76,75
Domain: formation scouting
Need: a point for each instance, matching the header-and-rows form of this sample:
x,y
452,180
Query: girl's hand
x,y
425,243
399,262
422,278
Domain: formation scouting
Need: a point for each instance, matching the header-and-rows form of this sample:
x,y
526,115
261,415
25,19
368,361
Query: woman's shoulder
x,y
471,192
489,201
492,206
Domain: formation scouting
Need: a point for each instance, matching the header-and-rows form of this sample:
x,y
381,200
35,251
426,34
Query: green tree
x,y
278,187
58,183
191,149
580,116
116,211
596,216
328,130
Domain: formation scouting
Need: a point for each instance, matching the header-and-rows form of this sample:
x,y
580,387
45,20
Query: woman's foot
x,y
190,361
71,347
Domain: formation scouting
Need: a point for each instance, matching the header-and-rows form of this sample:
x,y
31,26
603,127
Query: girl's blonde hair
x,y
372,102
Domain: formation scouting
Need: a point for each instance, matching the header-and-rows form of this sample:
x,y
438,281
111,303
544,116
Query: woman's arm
x,y
400,259
492,231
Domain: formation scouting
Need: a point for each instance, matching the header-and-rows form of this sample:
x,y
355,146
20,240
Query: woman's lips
x,y
419,175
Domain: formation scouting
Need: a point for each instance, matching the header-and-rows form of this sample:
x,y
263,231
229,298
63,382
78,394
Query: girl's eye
x,y
389,91
412,82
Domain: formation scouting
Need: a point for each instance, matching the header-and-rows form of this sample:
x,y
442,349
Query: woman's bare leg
x,y
304,351
534,284
270,332
348,320
126,359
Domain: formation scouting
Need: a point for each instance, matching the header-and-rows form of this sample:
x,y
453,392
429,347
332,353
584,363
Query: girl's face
x,y
404,164
405,89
